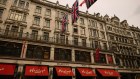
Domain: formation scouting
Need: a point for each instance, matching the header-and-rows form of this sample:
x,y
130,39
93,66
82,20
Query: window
x,y
48,12
102,35
62,39
9,49
15,2
102,59
75,29
57,24
93,33
46,36
110,59
101,26
17,16
34,34
61,15
21,4
47,23
38,52
81,21
105,46
1,12
96,44
62,54
118,61
84,42
109,28
27,5
82,56
3,1
82,31
36,20
75,41
38,9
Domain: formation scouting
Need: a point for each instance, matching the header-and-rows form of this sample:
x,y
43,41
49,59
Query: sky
x,y
124,9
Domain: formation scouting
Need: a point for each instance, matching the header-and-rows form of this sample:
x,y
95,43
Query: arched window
x,y
27,5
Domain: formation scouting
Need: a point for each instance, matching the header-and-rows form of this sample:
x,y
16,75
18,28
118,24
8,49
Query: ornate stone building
x,y
33,46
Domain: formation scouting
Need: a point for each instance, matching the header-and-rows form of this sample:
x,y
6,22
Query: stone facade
x,y
30,34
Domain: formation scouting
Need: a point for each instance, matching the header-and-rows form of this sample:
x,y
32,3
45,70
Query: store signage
x,y
36,71
64,71
7,69
108,73
86,72
33,70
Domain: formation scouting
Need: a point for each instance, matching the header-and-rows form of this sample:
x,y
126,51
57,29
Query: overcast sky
x,y
124,9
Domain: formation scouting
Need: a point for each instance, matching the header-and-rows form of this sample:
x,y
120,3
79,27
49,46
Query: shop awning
x,y
64,71
108,73
7,69
86,72
36,71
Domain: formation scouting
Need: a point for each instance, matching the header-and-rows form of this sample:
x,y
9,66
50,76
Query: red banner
x,y
86,72
108,73
7,69
36,71
64,71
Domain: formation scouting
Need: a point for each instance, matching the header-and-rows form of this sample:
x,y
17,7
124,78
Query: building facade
x,y
33,46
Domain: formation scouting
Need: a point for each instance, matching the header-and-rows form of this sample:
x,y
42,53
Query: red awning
x,y
7,69
108,73
64,71
86,72
36,71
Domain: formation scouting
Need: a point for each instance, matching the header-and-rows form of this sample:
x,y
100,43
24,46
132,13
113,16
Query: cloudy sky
x,y
124,9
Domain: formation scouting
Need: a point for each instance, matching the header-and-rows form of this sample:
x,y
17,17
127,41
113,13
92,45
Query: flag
x,y
110,59
75,11
89,3
97,55
82,3
64,22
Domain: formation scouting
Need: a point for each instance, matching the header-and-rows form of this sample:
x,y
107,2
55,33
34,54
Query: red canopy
x,y
7,69
64,71
86,72
36,71
108,73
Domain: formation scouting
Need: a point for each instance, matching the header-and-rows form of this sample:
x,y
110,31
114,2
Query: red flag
x,y
97,55
82,3
110,59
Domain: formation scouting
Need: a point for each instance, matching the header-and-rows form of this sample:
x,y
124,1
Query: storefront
x,y
107,74
8,71
85,73
62,73
35,72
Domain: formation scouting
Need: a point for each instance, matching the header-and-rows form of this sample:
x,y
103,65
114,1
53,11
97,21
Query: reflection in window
x,y
82,56
37,52
62,54
8,49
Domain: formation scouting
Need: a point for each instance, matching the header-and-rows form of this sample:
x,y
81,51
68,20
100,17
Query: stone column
x,y
50,73
73,70
73,55
92,56
106,58
113,59
24,49
52,53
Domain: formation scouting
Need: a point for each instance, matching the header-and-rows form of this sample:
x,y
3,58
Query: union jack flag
x,y
75,11
64,22
90,3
